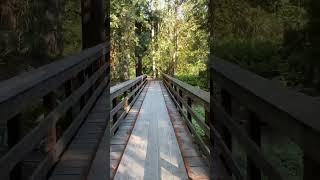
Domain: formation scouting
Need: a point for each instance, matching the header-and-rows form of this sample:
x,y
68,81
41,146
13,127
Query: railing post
x,y
14,126
180,94
174,94
254,132
81,78
115,116
189,102
226,135
49,103
227,105
68,91
207,114
310,168
126,104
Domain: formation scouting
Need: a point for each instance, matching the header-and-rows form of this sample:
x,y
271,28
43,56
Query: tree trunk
x,y
139,66
138,49
8,23
313,34
53,35
175,39
93,15
153,51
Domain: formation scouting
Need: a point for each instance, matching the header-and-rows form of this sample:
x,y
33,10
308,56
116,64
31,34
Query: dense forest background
x,y
277,39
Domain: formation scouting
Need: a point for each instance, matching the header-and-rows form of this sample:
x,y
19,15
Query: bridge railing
x,y
263,103
64,91
123,97
186,97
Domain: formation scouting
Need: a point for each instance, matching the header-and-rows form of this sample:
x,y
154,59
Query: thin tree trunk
x,y
8,23
139,65
153,51
138,50
53,36
175,39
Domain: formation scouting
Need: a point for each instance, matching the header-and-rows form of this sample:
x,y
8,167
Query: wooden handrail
x,y
183,95
287,112
129,91
196,93
83,77
16,93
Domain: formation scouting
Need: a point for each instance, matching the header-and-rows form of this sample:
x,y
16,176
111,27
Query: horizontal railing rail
x,y
65,91
263,102
123,97
186,97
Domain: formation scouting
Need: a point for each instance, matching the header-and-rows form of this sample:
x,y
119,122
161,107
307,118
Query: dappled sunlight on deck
x,y
152,151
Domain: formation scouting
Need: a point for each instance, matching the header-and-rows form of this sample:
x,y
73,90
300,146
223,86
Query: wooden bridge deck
x,y
152,151
145,146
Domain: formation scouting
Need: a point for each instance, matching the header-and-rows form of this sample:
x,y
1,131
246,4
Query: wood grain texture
x,y
121,137
279,106
76,160
17,92
152,151
197,167
196,93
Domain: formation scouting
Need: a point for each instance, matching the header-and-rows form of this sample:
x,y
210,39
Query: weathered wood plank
x,y
119,149
273,103
197,93
142,152
195,169
17,92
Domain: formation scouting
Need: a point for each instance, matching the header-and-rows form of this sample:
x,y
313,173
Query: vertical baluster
x,y
126,103
174,94
14,127
310,168
226,135
180,94
254,132
115,116
189,102
69,114
213,153
81,79
207,114
49,103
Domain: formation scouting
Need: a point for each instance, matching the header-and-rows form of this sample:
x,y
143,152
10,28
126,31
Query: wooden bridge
x,y
64,121
145,128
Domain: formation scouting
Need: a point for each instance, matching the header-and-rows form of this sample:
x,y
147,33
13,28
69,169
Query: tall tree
x,y
93,14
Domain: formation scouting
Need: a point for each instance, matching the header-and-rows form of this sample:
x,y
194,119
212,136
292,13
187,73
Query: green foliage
x,y
72,27
126,41
195,80
257,56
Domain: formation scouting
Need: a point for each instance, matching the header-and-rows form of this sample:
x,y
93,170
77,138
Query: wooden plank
x,y
187,147
115,160
281,107
17,92
68,134
197,93
124,114
203,146
115,91
200,121
253,151
101,162
142,152
31,140
82,148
